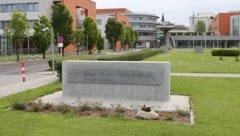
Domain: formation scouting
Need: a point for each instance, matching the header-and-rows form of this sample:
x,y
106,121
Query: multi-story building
x,y
35,8
235,25
145,24
102,17
205,17
221,23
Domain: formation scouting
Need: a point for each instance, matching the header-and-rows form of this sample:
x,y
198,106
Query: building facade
x,y
145,24
235,25
35,8
104,14
205,17
221,23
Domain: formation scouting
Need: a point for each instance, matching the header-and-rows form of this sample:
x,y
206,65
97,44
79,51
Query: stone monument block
x,y
164,49
198,49
115,79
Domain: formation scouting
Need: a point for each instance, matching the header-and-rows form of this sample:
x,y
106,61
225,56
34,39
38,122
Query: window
x,y
30,7
19,7
14,7
99,22
35,7
3,24
24,7
9,8
3,8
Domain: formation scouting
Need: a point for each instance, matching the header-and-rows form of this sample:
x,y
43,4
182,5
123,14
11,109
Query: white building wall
x,y
43,5
205,17
101,20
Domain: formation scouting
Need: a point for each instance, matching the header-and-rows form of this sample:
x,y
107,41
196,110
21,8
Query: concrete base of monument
x,y
175,103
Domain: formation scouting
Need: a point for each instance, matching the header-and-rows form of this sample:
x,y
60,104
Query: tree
x,y
114,31
90,32
100,42
200,26
62,24
40,38
17,30
124,34
79,38
131,36
135,36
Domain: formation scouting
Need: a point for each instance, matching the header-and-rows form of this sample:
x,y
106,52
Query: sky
x,y
175,11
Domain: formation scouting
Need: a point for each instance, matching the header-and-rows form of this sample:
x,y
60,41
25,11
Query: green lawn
x,y
188,61
215,103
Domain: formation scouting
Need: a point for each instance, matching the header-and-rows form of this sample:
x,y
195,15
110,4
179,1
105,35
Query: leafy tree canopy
x,y
41,38
62,23
17,30
114,31
200,26
90,32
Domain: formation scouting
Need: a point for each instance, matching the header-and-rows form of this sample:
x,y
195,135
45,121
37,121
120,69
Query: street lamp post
x,y
53,67
87,42
52,46
113,44
5,49
28,44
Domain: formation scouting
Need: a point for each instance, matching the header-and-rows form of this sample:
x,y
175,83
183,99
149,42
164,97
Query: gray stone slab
x,y
176,102
164,49
198,49
125,80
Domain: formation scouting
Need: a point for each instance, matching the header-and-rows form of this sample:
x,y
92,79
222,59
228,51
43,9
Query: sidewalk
x,y
205,75
11,86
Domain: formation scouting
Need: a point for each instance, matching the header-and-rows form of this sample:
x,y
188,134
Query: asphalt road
x,y
15,68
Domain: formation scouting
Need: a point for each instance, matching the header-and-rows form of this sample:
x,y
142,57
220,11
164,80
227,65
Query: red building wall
x,y
221,24
88,5
118,17
90,11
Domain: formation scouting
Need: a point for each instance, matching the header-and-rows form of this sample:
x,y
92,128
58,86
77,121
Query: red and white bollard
x,y
23,72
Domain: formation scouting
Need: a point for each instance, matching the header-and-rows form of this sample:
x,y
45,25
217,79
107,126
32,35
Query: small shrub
x,y
169,117
48,106
58,66
104,114
183,113
35,108
19,106
65,109
120,109
118,115
50,63
84,106
97,107
221,58
237,59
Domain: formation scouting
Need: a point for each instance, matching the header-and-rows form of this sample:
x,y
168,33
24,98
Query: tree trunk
x,y
63,51
44,56
17,52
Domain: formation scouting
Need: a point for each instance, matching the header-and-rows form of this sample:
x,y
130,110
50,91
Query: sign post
x,y
60,43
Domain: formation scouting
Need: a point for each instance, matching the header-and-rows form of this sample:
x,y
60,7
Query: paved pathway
x,y
14,84
205,75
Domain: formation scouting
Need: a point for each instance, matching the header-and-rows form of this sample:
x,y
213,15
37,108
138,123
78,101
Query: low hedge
x,y
225,52
127,57
136,56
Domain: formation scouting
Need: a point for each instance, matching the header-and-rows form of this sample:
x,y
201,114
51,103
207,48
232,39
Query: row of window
x,y
236,26
144,18
143,26
4,24
26,7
